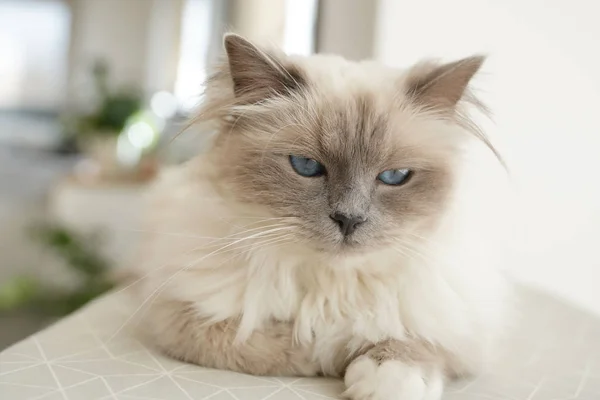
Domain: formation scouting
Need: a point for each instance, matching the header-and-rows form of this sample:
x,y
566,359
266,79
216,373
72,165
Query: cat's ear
x,y
442,86
257,74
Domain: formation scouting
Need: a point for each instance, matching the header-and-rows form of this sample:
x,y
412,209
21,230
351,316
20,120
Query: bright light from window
x,y
11,70
300,22
140,134
163,104
33,55
195,43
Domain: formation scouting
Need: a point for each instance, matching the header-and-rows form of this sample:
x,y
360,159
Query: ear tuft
x,y
257,74
442,86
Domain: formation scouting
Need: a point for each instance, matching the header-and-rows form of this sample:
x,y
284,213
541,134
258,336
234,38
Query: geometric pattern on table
x,y
553,353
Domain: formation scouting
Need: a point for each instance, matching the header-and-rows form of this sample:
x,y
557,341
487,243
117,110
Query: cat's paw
x,y
390,380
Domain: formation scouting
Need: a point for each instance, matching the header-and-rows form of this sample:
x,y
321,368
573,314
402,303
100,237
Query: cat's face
x,y
349,158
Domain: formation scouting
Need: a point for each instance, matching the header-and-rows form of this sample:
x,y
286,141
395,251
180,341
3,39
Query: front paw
x,y
365,379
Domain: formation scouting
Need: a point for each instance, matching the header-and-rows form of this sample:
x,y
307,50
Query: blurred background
x,y
93,91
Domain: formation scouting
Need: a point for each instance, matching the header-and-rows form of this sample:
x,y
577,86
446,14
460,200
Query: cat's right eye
x,y
307,166
395,177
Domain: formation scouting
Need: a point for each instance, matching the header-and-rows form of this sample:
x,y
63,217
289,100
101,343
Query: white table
x,y
553,354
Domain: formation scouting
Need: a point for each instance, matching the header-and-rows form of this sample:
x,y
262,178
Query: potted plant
x,y
97,132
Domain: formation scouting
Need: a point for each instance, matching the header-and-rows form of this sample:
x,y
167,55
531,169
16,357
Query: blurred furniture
x,y
112,209
28,172
552,353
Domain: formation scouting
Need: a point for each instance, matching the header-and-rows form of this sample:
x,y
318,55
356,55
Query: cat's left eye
x,y
395,177
307,166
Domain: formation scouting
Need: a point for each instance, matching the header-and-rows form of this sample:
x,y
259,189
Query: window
x,y
34,44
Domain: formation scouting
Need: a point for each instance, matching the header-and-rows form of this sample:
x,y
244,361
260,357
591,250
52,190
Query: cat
x,y
325,231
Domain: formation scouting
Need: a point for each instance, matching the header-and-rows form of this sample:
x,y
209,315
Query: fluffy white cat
x,y
334,227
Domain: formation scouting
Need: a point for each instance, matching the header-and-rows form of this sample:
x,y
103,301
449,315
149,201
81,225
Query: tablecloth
x,y
553,354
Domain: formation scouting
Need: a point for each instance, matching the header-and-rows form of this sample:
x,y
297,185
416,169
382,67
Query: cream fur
x,y
391,380
454,297
450,294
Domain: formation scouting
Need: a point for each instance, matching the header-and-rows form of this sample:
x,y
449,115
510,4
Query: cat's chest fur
x,y
340,308
451,296
363,298
324,300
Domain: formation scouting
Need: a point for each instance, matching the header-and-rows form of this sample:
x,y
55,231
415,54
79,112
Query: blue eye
x,y
307,166
394,176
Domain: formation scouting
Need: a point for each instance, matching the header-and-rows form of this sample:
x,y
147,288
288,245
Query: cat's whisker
x,y
249,248
262,243
422,238
259,245
264,281
154,270
176,234
158,290
410,243
259,220
250,245
235,238
408,247
254,248
235,235
401,252
141,312
193,236
259,234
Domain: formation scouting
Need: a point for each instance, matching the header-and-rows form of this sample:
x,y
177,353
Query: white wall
x,y
543,84
259,20
163,44
346,27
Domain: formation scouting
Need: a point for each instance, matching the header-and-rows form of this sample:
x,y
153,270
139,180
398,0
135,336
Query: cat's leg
x,y
176,329
396,370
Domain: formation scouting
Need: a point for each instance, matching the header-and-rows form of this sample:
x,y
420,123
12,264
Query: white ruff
x,y
450,293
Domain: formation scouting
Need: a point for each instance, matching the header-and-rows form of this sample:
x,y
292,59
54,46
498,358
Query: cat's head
x,y
355,156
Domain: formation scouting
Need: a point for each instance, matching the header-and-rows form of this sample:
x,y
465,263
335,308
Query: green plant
x,y
113,109
90,269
